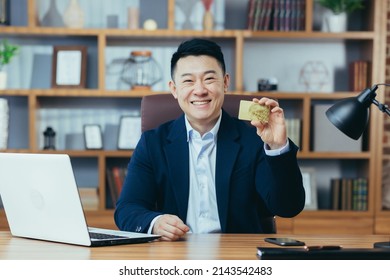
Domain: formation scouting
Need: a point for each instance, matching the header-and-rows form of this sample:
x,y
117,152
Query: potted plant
x,y
335,19
7,51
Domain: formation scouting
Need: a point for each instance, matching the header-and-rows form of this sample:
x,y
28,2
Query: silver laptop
x,y
41,201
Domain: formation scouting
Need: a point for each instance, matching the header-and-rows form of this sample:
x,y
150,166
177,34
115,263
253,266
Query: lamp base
x,y
384,245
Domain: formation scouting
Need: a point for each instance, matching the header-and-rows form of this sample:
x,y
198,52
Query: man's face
x,y
199,86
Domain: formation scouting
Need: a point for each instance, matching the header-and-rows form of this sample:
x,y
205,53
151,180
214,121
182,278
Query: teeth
x,y
199,102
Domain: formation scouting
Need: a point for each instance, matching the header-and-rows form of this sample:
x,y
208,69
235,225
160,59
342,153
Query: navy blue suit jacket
x,y
249,184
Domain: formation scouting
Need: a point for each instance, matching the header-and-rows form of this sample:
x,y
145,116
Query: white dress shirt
x,y
202,213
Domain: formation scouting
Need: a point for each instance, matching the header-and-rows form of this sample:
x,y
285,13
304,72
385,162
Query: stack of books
x,y
294,130
349,194
115,178
4,120
276,15
359,73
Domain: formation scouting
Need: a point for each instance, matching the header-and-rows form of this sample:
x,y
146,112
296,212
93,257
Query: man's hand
x,y
274,132
170,227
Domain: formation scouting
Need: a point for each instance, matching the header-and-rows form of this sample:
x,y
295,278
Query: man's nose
x,y
199,87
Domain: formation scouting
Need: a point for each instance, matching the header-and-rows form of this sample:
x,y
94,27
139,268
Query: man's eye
x,y
187,81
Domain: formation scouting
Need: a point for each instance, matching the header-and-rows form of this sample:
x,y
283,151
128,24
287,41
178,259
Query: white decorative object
x,y
74,15
3,79
334,22
150,24
314,76
4,120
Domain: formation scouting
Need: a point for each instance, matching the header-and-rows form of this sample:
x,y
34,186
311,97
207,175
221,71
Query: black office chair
x,y
159,108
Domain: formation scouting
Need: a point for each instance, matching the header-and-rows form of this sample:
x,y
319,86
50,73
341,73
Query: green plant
x,y
340,6
7,51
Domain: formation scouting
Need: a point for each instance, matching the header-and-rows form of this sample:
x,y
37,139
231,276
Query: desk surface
x,y
201,247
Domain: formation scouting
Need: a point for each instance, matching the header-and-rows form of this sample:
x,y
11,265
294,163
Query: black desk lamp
x,y
350,116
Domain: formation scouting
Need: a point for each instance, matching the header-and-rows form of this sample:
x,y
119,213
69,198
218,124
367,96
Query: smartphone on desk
x,y
284,241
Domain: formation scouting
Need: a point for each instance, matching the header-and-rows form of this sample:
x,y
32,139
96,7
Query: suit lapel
x,y
227,151
176,152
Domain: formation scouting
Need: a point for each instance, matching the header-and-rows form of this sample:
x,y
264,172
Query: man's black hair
x,y
198,47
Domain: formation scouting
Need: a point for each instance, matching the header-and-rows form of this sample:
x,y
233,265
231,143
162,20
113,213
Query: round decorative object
x,y
141,71
150,24
314,75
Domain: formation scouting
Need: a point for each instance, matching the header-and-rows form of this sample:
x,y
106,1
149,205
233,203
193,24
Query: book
x,y
335,193
111,186
251,13
262,11
118,175
267,14
266,253
257,12
361,194
275,16
301,15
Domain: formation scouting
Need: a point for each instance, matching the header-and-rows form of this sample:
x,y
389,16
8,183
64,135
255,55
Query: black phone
x,y
283,241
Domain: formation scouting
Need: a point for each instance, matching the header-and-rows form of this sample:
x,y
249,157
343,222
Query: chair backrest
x,y
157,109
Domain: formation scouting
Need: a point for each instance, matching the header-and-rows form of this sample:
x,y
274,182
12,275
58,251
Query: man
x,y
206,171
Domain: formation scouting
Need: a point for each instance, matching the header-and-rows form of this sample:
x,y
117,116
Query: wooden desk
x,y
201,247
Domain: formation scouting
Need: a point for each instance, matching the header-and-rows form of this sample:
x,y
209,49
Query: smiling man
x,y
207,171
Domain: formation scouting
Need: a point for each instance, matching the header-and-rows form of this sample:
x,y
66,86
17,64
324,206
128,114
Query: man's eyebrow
x,y
206,72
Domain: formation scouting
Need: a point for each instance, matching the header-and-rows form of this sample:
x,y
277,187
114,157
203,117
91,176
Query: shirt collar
x,y
213,131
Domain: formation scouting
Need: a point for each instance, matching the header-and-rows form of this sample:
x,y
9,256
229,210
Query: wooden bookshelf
x,y
370,44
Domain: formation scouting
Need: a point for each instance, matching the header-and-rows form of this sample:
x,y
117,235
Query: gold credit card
x,y
253,111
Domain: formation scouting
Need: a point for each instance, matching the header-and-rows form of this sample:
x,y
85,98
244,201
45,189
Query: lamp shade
x,y
350,116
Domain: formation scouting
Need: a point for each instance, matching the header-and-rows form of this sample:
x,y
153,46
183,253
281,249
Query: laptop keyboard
x,y
96,235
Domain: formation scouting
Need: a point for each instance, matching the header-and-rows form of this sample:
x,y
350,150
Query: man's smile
x,y
200,102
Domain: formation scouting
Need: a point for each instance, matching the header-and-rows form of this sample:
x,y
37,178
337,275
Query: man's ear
x,y
226,81
172,88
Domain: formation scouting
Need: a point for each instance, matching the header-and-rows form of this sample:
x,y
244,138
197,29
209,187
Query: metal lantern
x,y
49,139
140,70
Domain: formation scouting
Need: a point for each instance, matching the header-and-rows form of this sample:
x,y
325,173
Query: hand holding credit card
x,y
253,111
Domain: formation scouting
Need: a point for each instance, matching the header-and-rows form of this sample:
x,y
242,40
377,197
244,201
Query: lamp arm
x,y
383,107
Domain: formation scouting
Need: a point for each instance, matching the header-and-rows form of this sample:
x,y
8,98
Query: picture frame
x,y
129,132
309,183
5,12
93,137
69,67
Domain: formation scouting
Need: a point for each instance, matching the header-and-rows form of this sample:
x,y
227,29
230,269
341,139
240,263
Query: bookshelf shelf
x,y
242,46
